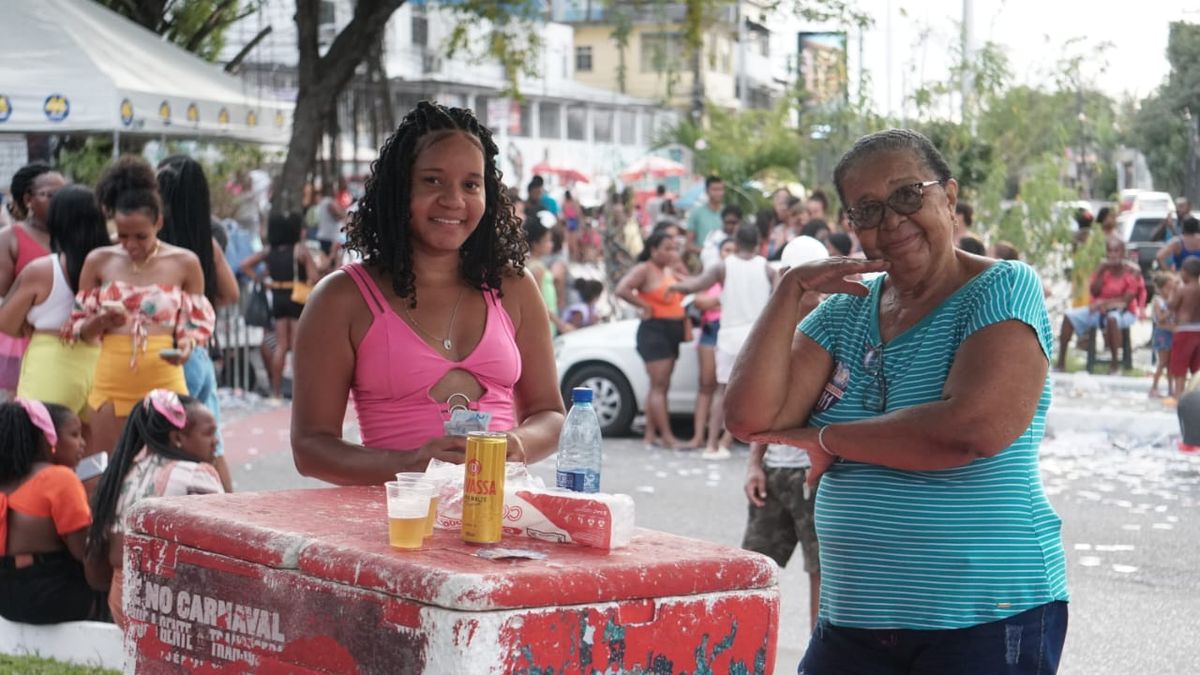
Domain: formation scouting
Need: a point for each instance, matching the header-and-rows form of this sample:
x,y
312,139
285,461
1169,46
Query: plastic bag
x,y
258,308
604,521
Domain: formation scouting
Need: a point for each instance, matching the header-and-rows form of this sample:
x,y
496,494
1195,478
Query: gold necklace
x,y
138,267
447,343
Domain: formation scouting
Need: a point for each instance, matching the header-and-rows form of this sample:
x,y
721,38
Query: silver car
x,y
604,358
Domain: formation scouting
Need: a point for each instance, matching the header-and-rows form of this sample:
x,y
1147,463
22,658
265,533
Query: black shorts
x,y
52,590
326,245
282,306
659,339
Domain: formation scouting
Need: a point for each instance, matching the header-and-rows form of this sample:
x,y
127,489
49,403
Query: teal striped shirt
x,y
933,549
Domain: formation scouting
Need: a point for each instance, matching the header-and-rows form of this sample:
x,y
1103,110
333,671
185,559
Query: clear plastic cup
x,y
408,512
433,501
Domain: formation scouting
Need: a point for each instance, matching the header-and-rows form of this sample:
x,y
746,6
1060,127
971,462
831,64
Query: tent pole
x,y
116,144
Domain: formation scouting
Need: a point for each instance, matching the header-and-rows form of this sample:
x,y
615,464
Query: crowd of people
x,y
869,351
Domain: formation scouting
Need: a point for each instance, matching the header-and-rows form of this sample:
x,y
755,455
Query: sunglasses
x,y
905,200
875,396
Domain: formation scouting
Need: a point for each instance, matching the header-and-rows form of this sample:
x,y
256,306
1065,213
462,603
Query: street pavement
x,y
1130,503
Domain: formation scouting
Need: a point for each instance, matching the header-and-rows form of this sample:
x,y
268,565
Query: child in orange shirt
x,y
44,517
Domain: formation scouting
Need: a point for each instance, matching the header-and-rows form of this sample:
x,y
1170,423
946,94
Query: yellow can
x,y
483,487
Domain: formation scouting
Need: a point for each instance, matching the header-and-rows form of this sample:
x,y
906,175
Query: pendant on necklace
x,y
447,344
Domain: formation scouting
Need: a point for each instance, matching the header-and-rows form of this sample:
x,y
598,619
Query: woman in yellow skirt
x,y
42,297
142,299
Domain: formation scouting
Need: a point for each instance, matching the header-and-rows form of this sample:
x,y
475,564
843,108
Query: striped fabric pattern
x,y
934,549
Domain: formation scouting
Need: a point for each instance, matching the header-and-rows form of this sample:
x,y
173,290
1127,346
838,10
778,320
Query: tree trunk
x,y
322,80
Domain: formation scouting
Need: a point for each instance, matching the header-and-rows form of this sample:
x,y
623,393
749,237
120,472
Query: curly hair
x,y
127,185
380,230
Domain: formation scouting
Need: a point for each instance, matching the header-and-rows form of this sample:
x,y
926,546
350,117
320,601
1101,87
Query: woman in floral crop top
x,y
142,299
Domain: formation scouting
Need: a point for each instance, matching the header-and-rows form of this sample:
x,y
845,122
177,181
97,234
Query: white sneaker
x,y
716,455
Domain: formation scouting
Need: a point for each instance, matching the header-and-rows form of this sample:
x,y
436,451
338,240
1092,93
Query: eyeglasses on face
x,y
904,200
875,395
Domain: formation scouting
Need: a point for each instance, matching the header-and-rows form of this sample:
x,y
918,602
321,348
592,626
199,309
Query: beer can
x,y
483,487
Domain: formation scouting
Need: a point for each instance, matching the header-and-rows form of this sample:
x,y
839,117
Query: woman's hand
x,y
829,275
756,485
808,440
452,449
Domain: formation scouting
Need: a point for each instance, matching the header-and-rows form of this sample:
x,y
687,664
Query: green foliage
x,y
738,146
1161,133
196,25
84,163
1033,224
510,40
1183,53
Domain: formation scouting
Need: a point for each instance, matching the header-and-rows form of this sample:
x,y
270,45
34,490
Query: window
x,y
583,59
602,125
627,126
661,52
549,120
420,29
481,112
577,123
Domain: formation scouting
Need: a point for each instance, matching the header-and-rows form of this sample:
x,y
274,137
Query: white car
x,y
604,358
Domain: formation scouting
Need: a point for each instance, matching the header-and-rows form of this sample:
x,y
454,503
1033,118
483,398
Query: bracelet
x,y
821,442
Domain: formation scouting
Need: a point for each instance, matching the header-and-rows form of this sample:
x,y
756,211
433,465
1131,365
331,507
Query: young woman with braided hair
x,y
165,450
44,517
187,223
438,314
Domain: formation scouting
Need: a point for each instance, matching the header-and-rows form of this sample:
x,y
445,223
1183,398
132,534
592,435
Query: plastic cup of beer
x,y
408,511
433,501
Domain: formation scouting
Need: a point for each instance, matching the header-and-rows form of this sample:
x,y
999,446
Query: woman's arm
x,y
629,284
7,259
988,401
312,271
559,270
250,262
702,282
761,395
227,285
1166,255
24,294
537,401
324,370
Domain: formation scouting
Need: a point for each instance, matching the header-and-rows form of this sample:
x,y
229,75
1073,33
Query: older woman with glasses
x,y
920,397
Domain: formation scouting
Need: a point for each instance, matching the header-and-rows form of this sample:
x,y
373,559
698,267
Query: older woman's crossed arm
x,y
988,400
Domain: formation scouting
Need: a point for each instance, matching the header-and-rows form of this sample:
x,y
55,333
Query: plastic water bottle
x,y
579,445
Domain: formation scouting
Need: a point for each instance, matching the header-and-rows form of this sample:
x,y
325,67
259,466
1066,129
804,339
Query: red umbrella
x,y
653,167
565,173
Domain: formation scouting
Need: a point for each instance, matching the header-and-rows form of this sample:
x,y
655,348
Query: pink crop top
x,y
191,316
395,369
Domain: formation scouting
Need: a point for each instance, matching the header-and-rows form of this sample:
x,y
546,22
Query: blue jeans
x,y
201,379
1029,643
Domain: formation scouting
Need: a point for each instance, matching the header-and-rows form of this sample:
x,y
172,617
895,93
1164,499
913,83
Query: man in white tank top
x,y
746,281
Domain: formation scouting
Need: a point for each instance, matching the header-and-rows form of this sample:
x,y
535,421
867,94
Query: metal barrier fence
x,y
238,357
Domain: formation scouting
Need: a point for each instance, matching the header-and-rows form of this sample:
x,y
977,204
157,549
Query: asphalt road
x,y
1130,505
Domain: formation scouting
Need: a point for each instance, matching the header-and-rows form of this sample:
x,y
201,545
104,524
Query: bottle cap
x,y
581,395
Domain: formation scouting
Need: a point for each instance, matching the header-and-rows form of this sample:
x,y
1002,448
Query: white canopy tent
x,y
75,66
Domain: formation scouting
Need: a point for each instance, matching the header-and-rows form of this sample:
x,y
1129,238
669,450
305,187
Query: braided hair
x,y
76,227
127,185
890,140
380,228
187,214
144,428
22,185
21,443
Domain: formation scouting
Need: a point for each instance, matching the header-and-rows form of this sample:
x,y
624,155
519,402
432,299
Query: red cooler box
x,y
304,581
